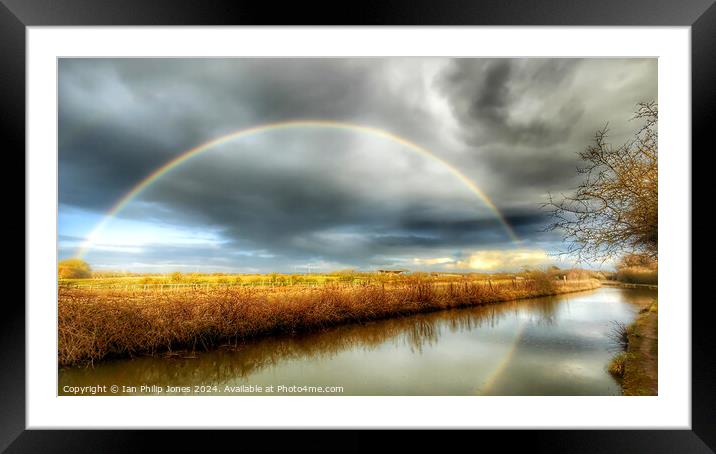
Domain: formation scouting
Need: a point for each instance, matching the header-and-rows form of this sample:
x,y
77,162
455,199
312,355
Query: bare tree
x,y
615,208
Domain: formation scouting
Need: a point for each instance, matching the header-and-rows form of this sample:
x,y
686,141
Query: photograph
x,y
381,224
357,226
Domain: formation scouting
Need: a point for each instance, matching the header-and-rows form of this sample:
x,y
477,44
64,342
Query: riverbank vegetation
x,y
243,359
641,367
638,269
636,366
122,320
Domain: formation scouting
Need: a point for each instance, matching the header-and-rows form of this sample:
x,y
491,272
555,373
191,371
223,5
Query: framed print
x,y
238,218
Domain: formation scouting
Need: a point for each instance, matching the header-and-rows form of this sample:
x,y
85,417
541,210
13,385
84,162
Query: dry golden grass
x,y
99,323
618,364
638,275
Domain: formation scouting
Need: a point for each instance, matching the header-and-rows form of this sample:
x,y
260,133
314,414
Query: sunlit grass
x,y
638,275
617,366
94,323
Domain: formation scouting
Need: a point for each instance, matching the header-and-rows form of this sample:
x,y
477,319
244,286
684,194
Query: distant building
x,y
392,271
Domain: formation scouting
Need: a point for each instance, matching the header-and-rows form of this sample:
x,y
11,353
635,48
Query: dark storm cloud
x,y
526,119
486,96
512,126
322,209
516,220
121,118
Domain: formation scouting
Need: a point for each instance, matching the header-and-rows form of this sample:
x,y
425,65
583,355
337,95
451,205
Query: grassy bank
x,y
637,367
98,323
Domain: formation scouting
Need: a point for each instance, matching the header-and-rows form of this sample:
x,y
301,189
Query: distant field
x,y
178,280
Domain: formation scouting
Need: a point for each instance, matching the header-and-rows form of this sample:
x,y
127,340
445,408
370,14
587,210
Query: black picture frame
x,y
16,15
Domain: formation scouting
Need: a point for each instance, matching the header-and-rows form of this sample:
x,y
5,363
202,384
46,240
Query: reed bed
x,y
94,324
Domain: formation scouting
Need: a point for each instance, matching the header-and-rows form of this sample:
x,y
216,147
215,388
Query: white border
x,y
671,409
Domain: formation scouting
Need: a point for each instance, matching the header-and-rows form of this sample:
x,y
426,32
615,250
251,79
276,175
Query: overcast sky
x,y
285,200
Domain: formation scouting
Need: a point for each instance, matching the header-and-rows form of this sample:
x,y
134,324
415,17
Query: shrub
x,y
619,335
73,269
618,364
543,282
638,269
638,275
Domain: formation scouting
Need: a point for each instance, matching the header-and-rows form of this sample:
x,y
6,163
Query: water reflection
x,y
509,348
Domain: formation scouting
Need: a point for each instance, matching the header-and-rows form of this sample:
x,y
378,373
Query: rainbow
x,y
294,124
491,379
